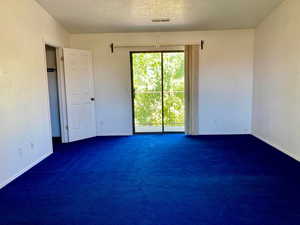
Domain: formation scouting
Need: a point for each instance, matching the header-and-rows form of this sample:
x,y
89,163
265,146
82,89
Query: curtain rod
x,y
113,46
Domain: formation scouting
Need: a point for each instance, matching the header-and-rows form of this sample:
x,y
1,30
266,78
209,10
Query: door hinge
x,y
62,58
67,127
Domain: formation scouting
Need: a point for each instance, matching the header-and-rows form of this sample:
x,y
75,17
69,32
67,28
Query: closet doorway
x,y
158,91
52,75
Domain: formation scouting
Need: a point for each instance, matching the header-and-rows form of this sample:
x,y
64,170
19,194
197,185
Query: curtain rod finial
x,y
202,44
112,47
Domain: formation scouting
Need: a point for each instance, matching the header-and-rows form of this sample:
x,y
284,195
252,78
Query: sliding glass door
x,y
158,91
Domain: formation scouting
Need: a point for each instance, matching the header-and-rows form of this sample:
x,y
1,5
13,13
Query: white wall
x,y
25,135
53,91
276,102
225,83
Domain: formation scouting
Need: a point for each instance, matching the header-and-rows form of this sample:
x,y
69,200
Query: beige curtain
x,y
192,89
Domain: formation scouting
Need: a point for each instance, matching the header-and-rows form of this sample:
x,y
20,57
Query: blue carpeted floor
x,y
157,180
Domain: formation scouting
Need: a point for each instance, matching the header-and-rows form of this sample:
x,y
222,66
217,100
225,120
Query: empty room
x,y
150,112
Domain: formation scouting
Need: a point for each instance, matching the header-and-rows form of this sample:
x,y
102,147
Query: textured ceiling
x,y
86,16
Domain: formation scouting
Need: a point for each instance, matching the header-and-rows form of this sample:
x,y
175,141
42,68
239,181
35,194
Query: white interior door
x,y
79,84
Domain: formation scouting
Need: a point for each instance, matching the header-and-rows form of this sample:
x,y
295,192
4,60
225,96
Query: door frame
x,y
132,91
61,89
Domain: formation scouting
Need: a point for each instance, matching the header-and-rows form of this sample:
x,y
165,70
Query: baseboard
x,y
114,134
294,156
6,182
222,134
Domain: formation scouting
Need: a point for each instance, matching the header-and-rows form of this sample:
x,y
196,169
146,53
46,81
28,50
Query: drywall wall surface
x,y
225,84
276,104
25,134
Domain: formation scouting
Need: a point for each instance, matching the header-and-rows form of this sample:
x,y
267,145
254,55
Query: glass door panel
x,y
173,91
147,92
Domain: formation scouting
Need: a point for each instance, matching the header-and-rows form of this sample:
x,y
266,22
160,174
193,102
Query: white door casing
x,y
79,84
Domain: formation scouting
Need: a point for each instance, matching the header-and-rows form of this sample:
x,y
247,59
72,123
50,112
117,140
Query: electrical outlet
x,y
20,150
100,124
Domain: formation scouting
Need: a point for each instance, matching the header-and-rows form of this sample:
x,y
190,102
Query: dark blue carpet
x,y
157,180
